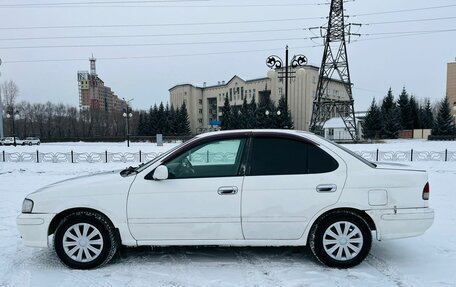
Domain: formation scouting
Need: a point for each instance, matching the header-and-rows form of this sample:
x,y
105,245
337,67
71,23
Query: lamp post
x,y
127,115
11,115
275,62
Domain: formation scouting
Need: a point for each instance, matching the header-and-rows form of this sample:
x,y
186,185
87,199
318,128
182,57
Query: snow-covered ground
x,y
428,260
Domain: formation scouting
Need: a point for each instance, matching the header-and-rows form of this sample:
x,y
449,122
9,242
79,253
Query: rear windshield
x,y
371,164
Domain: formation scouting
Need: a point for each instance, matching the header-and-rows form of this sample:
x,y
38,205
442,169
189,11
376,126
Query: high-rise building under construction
x,y
94,95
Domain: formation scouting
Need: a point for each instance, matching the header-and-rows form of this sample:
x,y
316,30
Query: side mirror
x,y
161,173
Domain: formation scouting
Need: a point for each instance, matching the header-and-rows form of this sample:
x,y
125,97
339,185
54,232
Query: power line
x,y
127,4
404,10
410,32
409,21
154,56
148,44
97,3
208,33
393,35
149,35
160,24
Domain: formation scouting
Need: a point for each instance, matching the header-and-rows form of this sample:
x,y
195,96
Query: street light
x,y
127,115
12,114
275,62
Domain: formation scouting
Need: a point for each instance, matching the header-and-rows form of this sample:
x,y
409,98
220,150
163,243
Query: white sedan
x,y
237,188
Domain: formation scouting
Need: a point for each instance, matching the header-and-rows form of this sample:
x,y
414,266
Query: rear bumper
x,y
401,223
34,228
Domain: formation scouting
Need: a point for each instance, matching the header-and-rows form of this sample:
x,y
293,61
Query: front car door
x,y
200,200
288,180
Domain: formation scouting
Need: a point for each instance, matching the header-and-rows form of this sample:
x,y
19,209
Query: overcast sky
x,y
188,52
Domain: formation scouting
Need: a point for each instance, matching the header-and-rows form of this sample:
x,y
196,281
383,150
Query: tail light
x,y
426,191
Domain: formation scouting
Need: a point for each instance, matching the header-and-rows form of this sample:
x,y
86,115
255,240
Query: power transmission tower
x,y
334,64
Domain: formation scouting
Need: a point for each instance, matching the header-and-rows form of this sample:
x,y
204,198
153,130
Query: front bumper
x,y
33,228
401,223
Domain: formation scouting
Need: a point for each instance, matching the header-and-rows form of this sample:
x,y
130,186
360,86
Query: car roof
x,y
255,131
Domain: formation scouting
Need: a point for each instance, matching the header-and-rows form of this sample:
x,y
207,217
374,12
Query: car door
x,y
288,181
200,200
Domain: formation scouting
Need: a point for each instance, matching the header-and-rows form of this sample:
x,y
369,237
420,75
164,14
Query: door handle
x,y
326,188
226,190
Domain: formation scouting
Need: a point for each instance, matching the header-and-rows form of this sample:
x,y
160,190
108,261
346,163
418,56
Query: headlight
x,y
27,206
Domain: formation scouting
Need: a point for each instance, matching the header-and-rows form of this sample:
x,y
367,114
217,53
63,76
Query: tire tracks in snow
x,y
390,272
256,268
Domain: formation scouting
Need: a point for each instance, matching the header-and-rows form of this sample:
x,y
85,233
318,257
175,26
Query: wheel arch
x,y
61,215
361,213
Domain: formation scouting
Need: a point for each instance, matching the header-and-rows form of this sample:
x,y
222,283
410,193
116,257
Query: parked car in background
x,y
31,141
233,188
10,141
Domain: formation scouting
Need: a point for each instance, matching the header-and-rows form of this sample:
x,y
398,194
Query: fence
x,y
120,157
77,157
409,155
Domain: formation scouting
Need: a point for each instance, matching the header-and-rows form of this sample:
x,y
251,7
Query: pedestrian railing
x,y
408,155
140,156
77,157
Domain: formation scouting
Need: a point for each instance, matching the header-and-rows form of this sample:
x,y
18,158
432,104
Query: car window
x,y
217,158
278,156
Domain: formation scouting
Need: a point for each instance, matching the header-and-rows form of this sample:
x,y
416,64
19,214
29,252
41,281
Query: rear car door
x,y
288,181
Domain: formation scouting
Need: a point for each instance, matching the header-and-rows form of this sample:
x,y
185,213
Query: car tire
x,y
30,143
340,239
85,240
38,143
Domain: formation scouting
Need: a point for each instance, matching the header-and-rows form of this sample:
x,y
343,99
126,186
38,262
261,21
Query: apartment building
x,y
204,103
451,86
94,95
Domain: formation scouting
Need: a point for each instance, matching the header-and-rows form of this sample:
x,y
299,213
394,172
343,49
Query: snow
x,y
428,260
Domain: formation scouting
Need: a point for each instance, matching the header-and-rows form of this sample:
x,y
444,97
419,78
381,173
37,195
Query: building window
x,y
200,121
200,102
200,111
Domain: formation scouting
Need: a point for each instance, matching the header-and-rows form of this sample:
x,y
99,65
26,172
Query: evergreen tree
x,y
142,124
265,112
153,120
166,120
172,121
252,114
184,121
372,124
244,116
161,118
415,117
391,117
404,107
427,118
388,102
444,124
284,120
227,123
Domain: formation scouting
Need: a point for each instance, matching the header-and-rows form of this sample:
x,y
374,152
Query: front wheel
x,y
85,240
341,239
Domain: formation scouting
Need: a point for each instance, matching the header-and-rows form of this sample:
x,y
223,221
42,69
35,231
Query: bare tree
x,y
9,92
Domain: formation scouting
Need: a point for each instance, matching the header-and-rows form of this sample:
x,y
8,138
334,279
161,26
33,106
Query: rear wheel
x,y
85,240
341,239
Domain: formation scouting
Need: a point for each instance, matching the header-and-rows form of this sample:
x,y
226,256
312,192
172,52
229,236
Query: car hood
x,y
98,183
94,191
